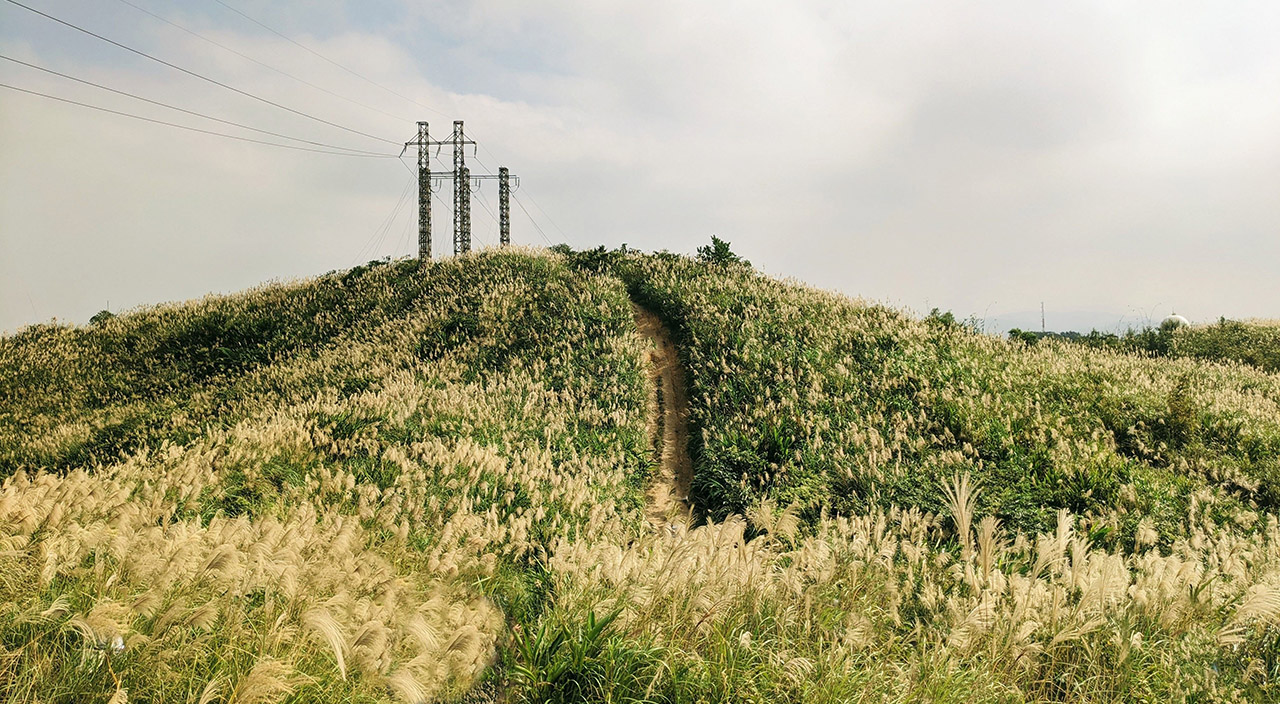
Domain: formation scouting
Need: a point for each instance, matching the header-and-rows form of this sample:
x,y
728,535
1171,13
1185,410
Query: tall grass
x,y
1252,342
882,607
426,484
802,396
354,513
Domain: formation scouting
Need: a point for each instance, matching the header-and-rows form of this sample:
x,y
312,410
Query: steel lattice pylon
x,y
462,211
504,206
462,187
424,193
461,194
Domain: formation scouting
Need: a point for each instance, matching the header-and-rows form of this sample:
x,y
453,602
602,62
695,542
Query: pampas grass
x,y
432,488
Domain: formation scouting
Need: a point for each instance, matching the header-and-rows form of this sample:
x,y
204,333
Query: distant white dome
x,y
1174,321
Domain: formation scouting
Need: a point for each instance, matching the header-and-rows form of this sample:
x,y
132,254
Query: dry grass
x,y
436,492
327,542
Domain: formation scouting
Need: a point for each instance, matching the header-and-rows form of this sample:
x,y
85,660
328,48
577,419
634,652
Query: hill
x,y
302,485
809,397
421,483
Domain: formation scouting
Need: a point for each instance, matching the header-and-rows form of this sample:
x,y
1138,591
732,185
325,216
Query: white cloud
x,y
975,156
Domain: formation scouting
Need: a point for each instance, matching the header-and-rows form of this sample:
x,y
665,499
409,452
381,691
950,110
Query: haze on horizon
x,y
1116,161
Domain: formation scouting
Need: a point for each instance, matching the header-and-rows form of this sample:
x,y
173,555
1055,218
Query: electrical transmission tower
x,y
462,180
504,206
461,192
424,193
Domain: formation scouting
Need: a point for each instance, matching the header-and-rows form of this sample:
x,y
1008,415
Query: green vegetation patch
x,y
339,489
802,396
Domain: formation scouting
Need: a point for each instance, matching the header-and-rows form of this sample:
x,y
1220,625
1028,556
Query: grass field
x,y
811,398
420,484
329,488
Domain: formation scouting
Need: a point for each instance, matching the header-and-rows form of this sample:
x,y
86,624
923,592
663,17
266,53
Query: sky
x,y
1114,161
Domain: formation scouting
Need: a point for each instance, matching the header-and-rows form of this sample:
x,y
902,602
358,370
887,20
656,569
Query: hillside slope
x,y
430,483
335,486
807,397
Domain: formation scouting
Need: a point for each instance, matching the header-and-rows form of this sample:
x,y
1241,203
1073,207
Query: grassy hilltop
x,y
807,397
407,483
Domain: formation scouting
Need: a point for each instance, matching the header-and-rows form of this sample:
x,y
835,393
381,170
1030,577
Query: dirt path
x,y
668,415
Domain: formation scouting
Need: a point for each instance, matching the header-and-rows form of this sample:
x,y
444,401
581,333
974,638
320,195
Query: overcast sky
x,y
1114,160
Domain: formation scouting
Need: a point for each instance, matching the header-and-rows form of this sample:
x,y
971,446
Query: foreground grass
x,y
884,608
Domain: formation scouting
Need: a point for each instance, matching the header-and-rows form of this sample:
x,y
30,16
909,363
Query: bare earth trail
x,y
668,413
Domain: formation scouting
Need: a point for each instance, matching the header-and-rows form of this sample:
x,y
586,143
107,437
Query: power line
x,y
386,230
477,233
486,151
530,196
195,129
184,110
531,220
391,223
309,50
246,57
484,203
408,233
385,222
405,241
448,208
548,216
197,75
